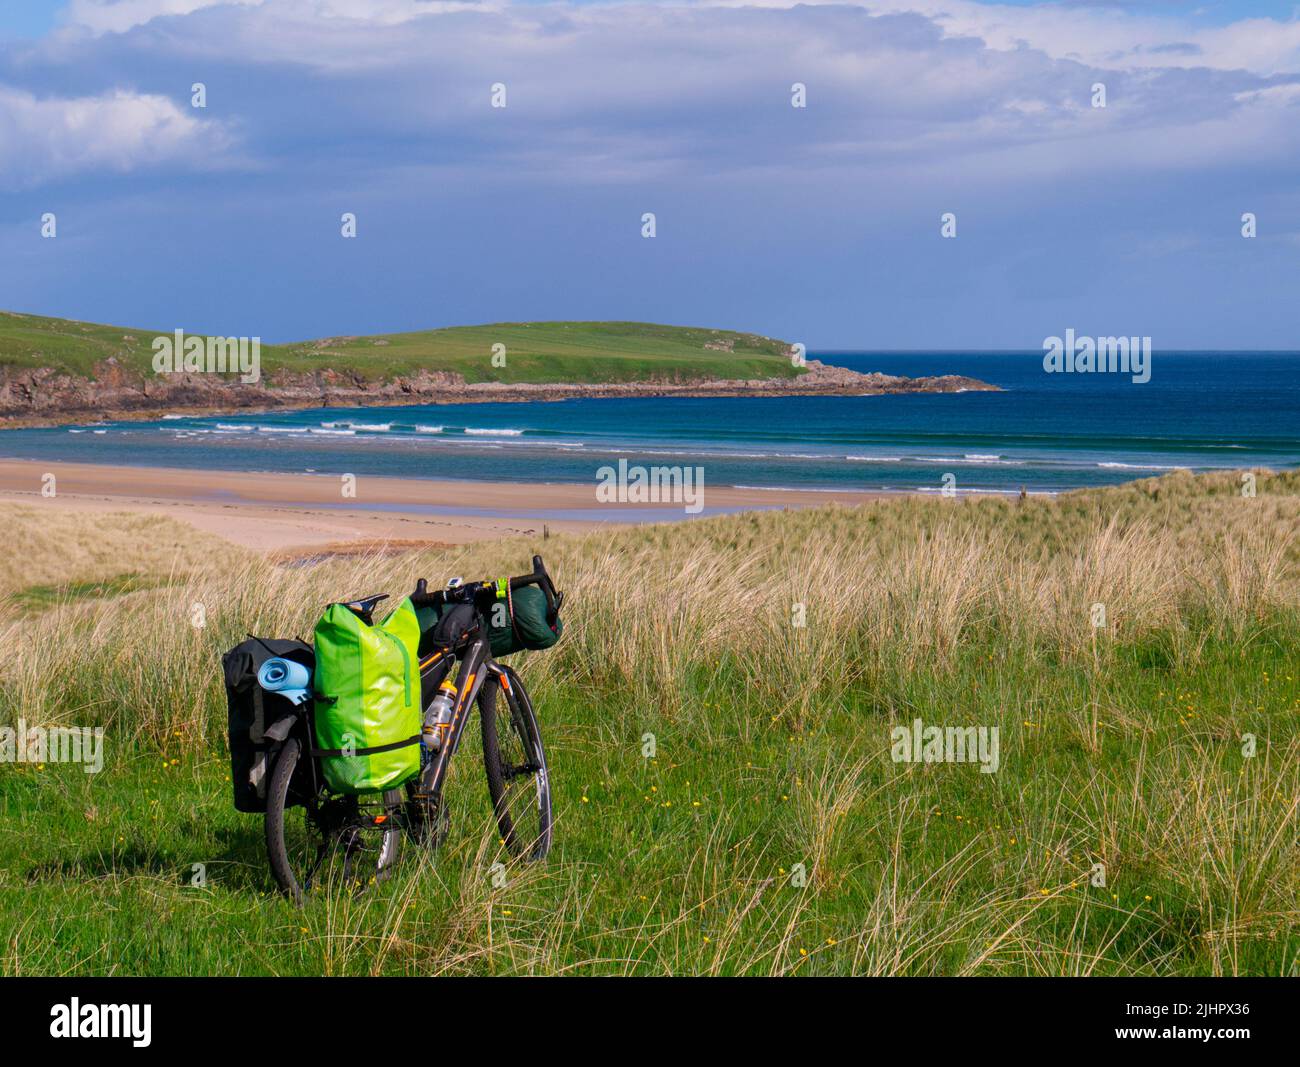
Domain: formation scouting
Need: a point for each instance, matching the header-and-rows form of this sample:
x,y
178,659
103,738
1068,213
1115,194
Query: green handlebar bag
x,y
367,687
516,621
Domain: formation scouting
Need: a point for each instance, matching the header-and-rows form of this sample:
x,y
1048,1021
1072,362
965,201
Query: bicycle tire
x,y
521,740
277,793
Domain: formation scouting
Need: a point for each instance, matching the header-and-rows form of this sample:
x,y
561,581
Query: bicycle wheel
x,y
296,841
300,839
516,767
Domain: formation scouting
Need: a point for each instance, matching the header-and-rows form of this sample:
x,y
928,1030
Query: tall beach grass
x,y
718,721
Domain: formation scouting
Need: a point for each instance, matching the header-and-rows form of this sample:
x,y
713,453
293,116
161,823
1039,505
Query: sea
x,y
1042,433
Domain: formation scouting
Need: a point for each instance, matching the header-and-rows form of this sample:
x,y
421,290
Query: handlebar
x,y
479,592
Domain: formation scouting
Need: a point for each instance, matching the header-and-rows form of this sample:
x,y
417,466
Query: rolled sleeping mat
x,y
291,680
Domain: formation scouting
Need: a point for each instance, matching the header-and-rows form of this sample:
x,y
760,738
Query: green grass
x,y
1121,748
682,864
596,352
39,597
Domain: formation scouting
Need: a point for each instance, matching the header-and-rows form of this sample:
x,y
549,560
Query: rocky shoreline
x,y
47,397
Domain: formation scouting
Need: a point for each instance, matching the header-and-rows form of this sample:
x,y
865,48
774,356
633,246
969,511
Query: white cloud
x,y
604,92
118,16
1285,95
1102,35
48,138
1110,37
382,12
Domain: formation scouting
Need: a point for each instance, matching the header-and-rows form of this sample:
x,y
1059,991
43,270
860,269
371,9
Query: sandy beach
x,y
288,513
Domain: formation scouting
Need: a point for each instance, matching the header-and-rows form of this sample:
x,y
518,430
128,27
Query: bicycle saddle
x,y
365,607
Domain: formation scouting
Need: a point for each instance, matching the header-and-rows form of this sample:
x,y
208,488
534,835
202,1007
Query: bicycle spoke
x,y
516,773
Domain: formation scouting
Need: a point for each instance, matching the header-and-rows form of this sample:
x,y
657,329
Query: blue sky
x,y
819,224
28,19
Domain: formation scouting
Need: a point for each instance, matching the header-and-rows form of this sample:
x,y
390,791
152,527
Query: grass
x,y
52,558
39,597
596,352
1121,747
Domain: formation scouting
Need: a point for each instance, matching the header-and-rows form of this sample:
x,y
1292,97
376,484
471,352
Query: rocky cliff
x,y
43,395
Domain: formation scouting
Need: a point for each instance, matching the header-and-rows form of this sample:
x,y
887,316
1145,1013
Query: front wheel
x,y
516,766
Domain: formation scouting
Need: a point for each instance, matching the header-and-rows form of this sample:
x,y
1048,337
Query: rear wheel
x,y
516,766
300,839
295,839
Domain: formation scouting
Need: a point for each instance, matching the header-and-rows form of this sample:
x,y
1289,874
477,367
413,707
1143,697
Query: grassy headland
x,y
535,352
54,369
594,352
1123,748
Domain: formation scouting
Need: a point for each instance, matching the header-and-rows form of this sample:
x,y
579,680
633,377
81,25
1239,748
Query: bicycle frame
x,y
476,664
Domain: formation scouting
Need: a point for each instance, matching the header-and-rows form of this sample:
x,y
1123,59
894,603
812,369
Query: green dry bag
x,y
367,699
516,620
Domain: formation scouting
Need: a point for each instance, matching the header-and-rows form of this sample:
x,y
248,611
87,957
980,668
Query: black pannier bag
x,y
251,711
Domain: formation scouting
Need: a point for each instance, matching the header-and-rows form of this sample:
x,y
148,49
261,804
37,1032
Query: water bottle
x,y
437,720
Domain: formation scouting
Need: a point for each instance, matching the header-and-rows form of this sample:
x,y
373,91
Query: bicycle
x,y
367,830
